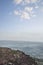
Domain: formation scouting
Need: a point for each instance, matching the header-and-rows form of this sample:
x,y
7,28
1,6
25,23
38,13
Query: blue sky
x,y
21,20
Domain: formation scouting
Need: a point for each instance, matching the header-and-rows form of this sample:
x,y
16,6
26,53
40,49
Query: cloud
x,y
16,12
22,1
25,10
27,1
28,9
17,1
25,15
22,14
34,1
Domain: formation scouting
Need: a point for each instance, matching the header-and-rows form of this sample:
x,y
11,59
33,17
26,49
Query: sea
x,y
34,49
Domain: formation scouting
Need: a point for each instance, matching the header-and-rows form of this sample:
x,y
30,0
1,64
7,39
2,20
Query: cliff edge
x,y
15,57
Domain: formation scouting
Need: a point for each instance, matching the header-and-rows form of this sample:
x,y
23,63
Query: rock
x,y
15,57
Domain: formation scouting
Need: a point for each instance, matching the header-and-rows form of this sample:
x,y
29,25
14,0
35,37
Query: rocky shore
x,y
15,57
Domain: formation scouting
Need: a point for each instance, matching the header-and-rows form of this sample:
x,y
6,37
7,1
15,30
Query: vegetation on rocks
x,y
15,57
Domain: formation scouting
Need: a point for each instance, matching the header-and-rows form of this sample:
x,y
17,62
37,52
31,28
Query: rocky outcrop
x,y
15,57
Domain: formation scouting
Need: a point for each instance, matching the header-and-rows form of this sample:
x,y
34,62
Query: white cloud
x,y
22,14
27,1
16,12
28,9
22,1
17,1
25,15
34,1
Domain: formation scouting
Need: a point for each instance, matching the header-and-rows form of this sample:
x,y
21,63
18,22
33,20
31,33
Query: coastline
x,y
15,57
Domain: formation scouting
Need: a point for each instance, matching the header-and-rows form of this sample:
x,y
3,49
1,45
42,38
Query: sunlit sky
x,y
21,20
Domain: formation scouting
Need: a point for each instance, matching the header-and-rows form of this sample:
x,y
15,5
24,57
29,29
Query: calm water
x,y
34,49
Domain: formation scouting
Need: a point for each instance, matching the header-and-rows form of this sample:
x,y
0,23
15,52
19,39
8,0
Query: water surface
x,y
34,49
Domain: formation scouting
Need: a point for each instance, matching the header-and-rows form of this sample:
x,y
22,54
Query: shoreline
x,y
15,57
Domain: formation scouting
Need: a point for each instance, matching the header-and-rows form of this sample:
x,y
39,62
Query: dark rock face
x,y
12,57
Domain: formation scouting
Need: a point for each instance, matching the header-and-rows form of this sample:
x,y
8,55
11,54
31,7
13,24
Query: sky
x,y
21,20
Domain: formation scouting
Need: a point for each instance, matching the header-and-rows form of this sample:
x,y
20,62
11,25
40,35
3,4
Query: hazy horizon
x,y
21,20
